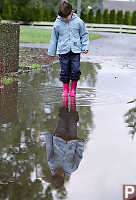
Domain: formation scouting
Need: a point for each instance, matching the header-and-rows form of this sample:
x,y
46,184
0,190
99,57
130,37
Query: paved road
x,y
114,44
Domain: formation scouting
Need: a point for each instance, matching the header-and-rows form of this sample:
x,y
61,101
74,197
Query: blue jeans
x,y
67,124
70,67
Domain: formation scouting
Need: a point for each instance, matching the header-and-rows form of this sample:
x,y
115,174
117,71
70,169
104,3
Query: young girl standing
x,y
68,39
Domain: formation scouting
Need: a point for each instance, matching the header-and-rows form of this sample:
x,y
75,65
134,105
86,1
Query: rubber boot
x,y
73,89
65,102
73,103
65,89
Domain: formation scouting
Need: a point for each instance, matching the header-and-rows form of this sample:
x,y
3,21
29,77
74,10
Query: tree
x,y
14,12
133,19
98,18
84,16
90,18
106,17
120,17
127,18
112,17
38,14
6,10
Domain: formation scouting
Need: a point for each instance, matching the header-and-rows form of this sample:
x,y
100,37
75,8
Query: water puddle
x,y
102,117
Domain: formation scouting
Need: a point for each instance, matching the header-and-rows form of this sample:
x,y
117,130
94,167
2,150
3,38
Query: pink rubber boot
x,y
65,102
73,89
73,103
65,89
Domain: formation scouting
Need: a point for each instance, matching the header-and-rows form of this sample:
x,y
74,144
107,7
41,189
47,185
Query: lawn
x,y
33,35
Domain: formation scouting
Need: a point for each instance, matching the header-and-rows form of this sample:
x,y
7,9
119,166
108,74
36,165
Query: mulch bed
x,y
35,56
31,56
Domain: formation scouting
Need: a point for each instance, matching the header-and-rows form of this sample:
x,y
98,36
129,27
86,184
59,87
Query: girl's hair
x,y
58,179
64,9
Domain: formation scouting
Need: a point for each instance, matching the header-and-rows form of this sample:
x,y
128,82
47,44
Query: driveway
x,y
114,48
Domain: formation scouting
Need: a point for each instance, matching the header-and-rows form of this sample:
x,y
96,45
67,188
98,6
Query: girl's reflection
x,y
64,149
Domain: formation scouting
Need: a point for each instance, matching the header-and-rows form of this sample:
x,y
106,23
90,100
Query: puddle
x,y
106,123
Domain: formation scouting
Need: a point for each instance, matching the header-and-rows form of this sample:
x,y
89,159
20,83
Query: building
x,y
120,5
115,4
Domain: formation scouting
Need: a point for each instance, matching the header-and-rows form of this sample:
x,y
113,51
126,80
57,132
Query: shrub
x,y
106,16
120,17
84,16
38,14
14,12
133,19
27,14
127,18
90,18
98,18
46,14
112,17
6,10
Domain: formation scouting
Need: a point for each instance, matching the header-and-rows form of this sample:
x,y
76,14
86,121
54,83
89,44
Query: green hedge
x,y
28,13
111,17
106,17
133,19
120,17
127,18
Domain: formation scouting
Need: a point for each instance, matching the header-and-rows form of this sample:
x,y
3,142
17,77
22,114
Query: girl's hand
x,y
85,51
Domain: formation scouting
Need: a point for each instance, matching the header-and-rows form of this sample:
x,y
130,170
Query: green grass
x,y
8,80
94,36
33,35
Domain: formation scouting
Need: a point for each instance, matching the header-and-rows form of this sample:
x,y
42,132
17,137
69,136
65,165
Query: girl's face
x,y
67,18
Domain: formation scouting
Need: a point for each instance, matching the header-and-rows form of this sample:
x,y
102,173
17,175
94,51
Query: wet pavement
x,y
106,107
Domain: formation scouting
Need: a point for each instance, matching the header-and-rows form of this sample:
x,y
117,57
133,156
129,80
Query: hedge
x,y
106,17
120,17
28,13
127,18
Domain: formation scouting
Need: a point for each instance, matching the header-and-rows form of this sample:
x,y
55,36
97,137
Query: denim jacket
x,y
63,154
67,36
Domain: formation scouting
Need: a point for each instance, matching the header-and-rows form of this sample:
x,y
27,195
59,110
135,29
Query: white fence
x,y
90,27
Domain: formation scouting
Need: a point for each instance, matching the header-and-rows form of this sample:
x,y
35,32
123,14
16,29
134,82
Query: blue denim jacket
x,y
67,36
63,154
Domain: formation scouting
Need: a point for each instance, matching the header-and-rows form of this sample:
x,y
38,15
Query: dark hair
x,y
64,9
58,179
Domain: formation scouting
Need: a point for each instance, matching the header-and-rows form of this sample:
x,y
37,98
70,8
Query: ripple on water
x,y
85,96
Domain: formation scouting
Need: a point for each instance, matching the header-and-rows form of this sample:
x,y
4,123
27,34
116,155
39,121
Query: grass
x,y
33,35
31,67
8,80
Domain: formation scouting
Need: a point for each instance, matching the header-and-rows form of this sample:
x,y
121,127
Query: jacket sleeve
x,y
84,37
49,144
53,42
78,155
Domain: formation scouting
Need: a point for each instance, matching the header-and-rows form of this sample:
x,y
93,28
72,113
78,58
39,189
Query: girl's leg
x,y
75,72
65,72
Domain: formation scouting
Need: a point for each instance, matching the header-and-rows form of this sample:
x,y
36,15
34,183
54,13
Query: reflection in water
x,y
8,103
26,111
64,148
130,119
